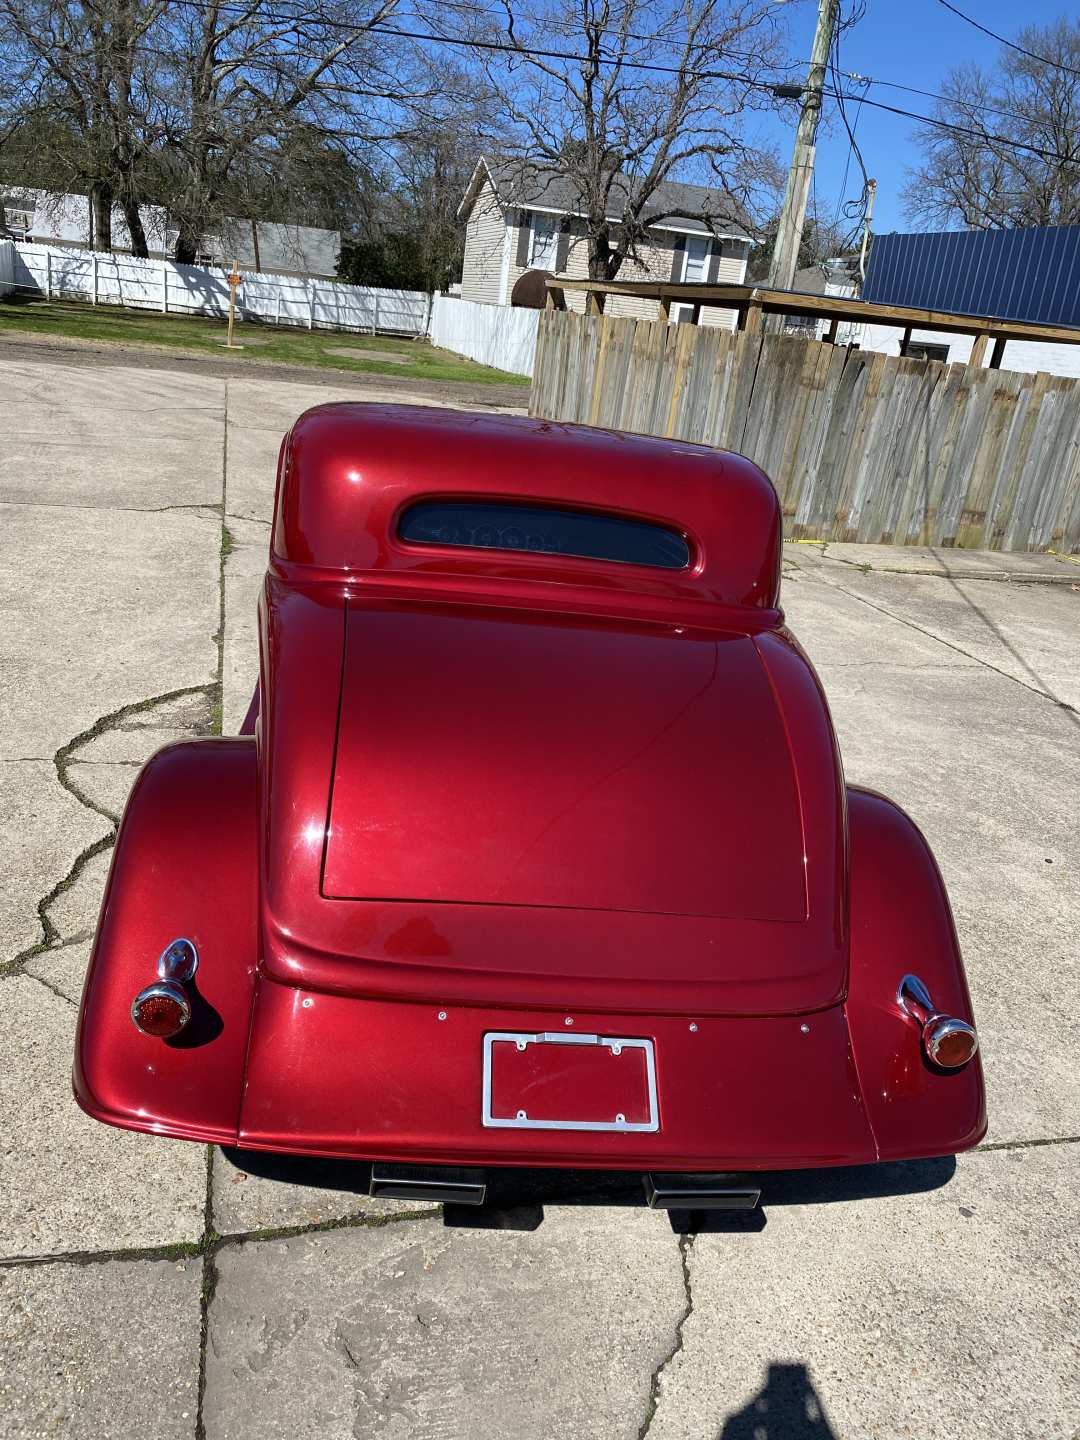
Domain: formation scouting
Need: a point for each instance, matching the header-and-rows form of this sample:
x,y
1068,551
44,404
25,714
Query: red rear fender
x,y
901,924
185,864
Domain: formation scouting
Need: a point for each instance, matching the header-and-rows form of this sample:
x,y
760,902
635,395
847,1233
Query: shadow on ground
x,y
516,1197
787,1407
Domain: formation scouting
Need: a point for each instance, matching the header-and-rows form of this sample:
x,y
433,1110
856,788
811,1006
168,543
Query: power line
x,y
1042,59
834,92
858,79
986,136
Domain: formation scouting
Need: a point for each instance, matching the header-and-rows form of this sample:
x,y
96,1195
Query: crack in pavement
x,y
64,757
206,505
210,1273
211,1242
686,1244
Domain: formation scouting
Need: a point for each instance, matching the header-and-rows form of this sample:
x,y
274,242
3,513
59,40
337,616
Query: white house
x,y
520,216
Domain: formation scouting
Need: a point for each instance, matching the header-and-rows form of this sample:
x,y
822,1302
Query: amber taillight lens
x,y
161,1010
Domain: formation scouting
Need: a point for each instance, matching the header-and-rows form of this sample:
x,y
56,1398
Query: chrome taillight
x,y
947,1041
161,1010
164,1008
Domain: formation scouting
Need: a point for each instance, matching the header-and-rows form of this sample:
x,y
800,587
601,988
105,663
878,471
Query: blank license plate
x,y
569,1082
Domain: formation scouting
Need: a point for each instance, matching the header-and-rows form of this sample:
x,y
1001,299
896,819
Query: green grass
x,y
282,344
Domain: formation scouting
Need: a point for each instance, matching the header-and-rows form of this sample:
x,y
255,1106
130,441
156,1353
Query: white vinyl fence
x,y
7,266
62,274
495,335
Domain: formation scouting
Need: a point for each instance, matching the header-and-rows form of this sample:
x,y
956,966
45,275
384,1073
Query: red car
x,y
536,849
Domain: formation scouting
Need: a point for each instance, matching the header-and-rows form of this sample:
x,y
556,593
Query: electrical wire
x,y
835,91
1042,59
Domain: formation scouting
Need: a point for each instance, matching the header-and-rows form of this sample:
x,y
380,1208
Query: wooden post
x,y
665,309
93,268
906,341
999,353
978,350
595,305
750,318
234,282
549,299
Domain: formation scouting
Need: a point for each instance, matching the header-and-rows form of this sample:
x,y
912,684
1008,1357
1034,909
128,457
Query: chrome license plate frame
x,y
615,1043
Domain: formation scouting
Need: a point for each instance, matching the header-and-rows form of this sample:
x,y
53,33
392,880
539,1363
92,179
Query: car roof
x,y
349,470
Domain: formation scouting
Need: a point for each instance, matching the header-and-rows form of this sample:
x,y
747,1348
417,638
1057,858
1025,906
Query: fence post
x,y
277,313
93,267
164,287
375,314
48,275
310,306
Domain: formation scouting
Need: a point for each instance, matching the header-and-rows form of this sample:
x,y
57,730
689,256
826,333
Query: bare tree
x,y
623,97
209,108
245,80
975,176
79,76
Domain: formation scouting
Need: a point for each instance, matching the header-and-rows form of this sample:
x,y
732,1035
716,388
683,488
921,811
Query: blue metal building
x,y
1029,275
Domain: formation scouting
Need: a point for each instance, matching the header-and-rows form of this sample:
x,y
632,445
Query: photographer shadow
x,y
787,1407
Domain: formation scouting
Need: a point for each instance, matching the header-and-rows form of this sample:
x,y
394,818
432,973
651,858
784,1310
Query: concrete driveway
x,y
151,1288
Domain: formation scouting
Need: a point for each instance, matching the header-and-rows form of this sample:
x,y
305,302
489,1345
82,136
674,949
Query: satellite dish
x,y
530,292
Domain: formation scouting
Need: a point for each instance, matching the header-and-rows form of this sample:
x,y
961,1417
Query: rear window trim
x,y
567,510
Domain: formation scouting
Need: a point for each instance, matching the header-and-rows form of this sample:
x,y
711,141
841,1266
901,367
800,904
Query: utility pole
x,y
785,256
871,191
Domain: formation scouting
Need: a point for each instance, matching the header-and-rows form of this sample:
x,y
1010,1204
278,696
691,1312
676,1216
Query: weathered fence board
x,y
860,445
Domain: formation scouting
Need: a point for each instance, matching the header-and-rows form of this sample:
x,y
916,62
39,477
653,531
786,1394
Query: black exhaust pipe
x,y
703,1192
442,1184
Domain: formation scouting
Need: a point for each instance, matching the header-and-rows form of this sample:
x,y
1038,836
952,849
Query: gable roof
x,y
528,186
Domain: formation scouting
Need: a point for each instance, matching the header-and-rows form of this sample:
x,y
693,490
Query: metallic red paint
x,y
506,791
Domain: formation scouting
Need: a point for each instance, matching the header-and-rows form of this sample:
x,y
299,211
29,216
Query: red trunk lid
x,y
545,760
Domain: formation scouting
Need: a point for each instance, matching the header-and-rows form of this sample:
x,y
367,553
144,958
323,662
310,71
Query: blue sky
x,y
914,42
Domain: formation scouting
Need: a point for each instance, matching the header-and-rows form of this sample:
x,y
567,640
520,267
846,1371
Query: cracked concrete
x,y
283,1298
413,1330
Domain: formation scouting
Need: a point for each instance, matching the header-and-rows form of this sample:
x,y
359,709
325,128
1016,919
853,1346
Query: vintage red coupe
x,y
536,849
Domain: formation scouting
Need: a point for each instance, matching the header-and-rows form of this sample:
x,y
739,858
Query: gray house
x,y
520,216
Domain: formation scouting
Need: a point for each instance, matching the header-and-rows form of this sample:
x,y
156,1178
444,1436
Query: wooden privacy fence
x,y
860,446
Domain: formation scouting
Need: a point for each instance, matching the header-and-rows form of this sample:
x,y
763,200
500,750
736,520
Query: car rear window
x,y
544,530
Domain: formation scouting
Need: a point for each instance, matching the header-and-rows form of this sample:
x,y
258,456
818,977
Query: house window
x,y
542,248
696,260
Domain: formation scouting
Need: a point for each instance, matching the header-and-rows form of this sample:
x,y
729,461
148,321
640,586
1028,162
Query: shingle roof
x,y
532,186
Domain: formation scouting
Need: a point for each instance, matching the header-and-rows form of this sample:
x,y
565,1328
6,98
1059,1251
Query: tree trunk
x,y
101,203
187,243
135,227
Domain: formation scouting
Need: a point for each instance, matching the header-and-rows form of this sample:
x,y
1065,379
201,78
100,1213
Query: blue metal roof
x,y
1029,275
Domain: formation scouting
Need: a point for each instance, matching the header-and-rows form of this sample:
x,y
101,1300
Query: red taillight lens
x,y
161,1010
949,1043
